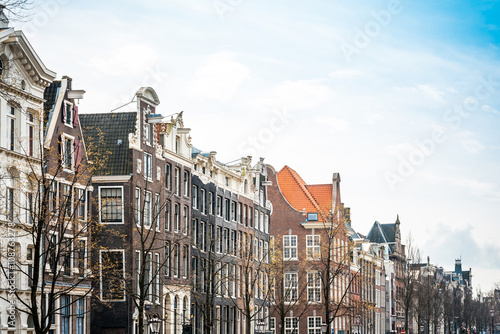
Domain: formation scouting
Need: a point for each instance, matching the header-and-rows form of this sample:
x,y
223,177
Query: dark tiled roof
x,y
106,137
376,234
389,231
50,97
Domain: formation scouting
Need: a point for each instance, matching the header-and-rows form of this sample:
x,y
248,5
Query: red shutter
x,y
75,115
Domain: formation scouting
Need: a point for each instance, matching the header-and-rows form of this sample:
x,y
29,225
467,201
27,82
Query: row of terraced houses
x,y
115,223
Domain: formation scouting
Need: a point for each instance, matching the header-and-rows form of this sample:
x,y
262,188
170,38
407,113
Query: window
x,y
148,166
314,287
272,321
168,176
29,260
52,194
68,200
291,287
313,247
167,258
147,209
290,247
177,218
168,215
67,152
138,206
156,217
111,205
31,134
65,314
82,204
186,183
185,257
80,315
219,206
313,325
203,207
81,250
66,250
10,204
148,272
233,211
176,260
11,123
177,181
203,235
194,197
291,325
68,113
211,203
227,209
112,275
186,219
157,278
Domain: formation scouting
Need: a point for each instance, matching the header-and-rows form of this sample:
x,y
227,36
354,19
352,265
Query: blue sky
x,y
400,97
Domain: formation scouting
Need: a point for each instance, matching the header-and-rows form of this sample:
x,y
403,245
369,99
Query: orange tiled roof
x,y
312,198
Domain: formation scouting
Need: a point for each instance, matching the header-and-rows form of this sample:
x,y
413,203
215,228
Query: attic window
x,y
312,217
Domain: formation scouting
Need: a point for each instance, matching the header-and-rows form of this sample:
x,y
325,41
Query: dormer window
x,y
312,217
68,113
177,144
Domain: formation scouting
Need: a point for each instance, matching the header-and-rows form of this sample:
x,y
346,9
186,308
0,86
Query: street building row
x,y
115,223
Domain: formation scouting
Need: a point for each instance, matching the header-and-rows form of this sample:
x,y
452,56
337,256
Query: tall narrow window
x,y
112,275
185,257
186,219
176,260
68,113
65,314
10,204
138,206
168,215
219,206
82,247
177,181
11,123
291,287
291,325
68,200
314,287
194,197
177,218
148,166
147,209
167,258
111,206
31,134
313,247
168,176
203,207
211,203
66,251
186,183
156,217
80,315
82,204
290,247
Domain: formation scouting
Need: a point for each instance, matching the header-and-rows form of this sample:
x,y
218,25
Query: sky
x,y
401,97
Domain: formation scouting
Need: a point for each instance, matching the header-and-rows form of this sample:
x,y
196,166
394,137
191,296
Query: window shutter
x,y
75,115
78,153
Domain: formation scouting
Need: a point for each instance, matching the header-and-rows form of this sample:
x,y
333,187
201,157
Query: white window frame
x,y
138,206
290,245
148,166
185,180
313,250
291,286
314,286
66,121
100,204
314,325
64,138
148,209
289,325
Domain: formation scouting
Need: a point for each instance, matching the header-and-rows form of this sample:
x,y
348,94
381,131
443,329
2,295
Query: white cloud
x,y
300,94
490,109
344,74
334,123
219,77
402,149
126,60
485,190
472,146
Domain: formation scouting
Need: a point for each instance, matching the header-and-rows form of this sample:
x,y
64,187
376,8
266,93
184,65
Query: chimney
x,y
4,21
